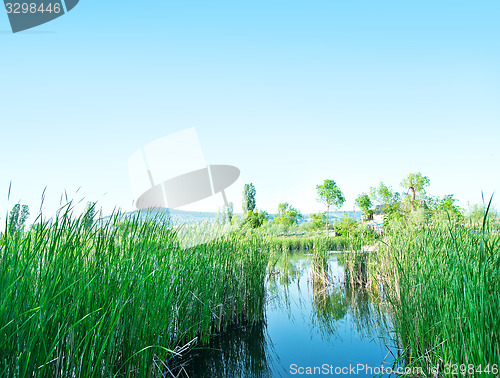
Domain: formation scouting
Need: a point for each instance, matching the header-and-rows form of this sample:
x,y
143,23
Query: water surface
x,y
314,325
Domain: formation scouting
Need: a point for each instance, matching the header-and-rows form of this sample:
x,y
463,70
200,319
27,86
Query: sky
x,y
290,92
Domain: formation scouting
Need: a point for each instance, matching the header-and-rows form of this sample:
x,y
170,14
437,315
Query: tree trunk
x,y
412,189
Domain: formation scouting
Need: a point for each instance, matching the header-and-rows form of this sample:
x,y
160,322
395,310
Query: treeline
x,y
381,205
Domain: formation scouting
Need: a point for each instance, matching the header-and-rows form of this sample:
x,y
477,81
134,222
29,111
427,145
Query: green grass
x,y
114,301
444,285
307,243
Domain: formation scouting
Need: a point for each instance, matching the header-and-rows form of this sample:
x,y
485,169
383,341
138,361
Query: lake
x,y
314,325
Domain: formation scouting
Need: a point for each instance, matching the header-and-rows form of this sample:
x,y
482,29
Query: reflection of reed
x,y
234,353
370,316
327,299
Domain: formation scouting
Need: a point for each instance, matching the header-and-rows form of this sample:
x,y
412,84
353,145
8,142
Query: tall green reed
x,y
114,298
444,282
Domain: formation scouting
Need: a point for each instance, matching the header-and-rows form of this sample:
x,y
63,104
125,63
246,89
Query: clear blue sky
x,y
291,92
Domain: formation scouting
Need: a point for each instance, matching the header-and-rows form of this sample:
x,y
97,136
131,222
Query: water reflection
x,y
239,352
313,319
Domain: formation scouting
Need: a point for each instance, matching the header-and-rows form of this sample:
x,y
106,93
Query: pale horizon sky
x,y
290,92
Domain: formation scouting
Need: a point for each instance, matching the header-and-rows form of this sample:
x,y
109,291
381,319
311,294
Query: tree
x,y
416,184
287,215
364,203
389,201
229,212
318,221
447,206
248,198
256,218
330,195
382,194
225,214
17,218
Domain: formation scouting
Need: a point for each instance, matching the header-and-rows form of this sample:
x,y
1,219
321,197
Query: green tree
x,y
318,221
416,184
225,214
382,194
287,215
248,198
229,212
330,195
256,219
364,202
445,207
17,218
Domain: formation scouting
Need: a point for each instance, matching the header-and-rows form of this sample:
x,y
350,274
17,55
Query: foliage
x,y
229,211
364,202
442,208
89,215
256,219
17,218
415,183
383,194
476,214
346,227
115,301
248,198
389,201
287,215
225,215
318,221
330,195
444,286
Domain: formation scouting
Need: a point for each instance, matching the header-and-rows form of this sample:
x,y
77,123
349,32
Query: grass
x,y
308,243
114,299
444,287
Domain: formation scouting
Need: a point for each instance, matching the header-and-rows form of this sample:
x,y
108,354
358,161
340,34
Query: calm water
x,y
311,326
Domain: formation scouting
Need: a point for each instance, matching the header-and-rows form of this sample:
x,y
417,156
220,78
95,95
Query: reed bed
x,y
444,287
114,298
306,243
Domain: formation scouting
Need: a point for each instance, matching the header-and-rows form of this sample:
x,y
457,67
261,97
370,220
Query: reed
x,y
306,243
444,287
115,297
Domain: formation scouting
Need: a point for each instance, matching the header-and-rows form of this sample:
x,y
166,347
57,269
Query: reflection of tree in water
x,y
328,302
234,353
286,271
247,351
333,302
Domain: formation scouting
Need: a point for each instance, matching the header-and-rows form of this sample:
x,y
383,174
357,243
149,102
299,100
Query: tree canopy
x,y
364,202
287,215
415,183
248,198
330,195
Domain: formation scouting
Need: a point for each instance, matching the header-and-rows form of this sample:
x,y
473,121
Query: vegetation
x,y
364,202
287,215
17,218
248,198
444,285
416,184
255,219
79,299
330,195
83,296
318,221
